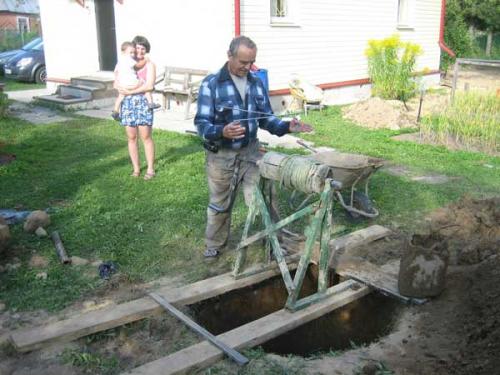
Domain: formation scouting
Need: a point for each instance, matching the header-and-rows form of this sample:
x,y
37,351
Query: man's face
x,y
240,64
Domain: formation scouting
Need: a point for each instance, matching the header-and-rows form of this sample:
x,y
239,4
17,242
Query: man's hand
x,y
233,130
297,126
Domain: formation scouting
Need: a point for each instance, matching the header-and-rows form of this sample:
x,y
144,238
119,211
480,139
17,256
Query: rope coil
x,y
295,172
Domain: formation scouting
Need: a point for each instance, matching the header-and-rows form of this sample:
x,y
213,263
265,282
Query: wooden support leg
x,y
324,270
188,104
242,250
312,232
164,101
277,252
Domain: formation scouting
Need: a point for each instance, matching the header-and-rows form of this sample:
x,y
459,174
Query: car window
x,y
38,47
31,45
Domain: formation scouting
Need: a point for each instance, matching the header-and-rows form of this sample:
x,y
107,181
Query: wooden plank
x,y
382,278
231,353
251,334
343,243
28,339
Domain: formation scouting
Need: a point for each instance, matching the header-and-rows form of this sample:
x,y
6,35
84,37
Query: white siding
x,y
330,38
70,38
187,33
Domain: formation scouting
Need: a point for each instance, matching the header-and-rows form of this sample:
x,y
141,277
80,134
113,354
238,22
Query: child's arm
x,y
141,64
146,86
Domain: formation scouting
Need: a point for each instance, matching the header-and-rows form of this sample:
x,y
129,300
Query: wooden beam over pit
x,y
25,340
32,338
252,334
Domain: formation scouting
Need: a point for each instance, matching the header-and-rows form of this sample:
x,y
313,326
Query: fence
x,y
13,39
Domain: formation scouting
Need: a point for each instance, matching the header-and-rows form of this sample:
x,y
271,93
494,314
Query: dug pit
x,y
358,323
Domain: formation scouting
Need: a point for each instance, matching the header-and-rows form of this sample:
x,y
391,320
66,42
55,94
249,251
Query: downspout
x,y
442,44
237,19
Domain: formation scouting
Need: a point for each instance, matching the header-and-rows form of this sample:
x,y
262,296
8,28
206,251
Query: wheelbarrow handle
x,y
303,144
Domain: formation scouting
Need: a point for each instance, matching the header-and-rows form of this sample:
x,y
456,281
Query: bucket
x,y
262,74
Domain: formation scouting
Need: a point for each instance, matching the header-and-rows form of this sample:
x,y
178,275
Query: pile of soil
x,y
377,113
470,227
456,333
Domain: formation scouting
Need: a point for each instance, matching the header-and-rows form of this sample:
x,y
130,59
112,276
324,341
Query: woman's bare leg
x,y
133,149
149,147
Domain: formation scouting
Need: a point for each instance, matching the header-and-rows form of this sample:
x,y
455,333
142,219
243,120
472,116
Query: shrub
x,y
391,64
456,34
12,39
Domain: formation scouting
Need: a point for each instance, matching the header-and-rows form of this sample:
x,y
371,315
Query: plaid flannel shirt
x,y
219,103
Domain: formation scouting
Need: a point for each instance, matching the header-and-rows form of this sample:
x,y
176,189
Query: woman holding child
x,y
136,113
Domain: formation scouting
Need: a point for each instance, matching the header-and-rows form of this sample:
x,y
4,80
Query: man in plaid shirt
x,y
232,104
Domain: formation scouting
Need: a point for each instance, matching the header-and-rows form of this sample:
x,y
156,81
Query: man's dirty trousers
x,y
220,168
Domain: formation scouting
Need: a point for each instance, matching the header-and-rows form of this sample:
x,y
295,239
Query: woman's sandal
x,y
149,176
135,174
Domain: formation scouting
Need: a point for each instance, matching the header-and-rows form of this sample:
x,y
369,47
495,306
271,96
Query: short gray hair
x,y
238,41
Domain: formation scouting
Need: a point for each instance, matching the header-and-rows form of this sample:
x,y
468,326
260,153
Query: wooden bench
x,y
183,82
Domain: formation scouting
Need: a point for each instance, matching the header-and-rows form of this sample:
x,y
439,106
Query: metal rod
x,y
303,144
236,356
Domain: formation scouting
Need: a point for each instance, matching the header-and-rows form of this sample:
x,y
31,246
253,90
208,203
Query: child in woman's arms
x,y
126,76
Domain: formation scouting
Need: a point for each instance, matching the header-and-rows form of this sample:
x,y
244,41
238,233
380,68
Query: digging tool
x,y
236,356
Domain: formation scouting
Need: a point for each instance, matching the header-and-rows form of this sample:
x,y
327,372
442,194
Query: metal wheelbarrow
x,y
354,172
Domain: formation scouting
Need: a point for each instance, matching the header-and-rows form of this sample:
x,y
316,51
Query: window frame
x,y
409,23
18,18
290,20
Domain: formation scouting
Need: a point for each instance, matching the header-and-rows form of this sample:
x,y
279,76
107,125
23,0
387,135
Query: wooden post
x,y
454,82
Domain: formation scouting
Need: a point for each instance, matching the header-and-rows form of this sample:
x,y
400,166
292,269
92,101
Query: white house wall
x,y
70,38
187,33
328,42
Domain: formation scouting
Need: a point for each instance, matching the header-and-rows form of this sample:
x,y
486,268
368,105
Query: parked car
x,y
27,65
6,55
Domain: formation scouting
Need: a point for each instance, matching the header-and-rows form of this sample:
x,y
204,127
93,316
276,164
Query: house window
x,y
23,24
284,12
405,13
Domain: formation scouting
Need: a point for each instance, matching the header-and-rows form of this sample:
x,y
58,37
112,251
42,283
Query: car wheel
x,y
41,75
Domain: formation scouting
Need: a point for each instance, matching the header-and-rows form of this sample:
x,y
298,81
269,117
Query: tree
x,y
483,15
456,34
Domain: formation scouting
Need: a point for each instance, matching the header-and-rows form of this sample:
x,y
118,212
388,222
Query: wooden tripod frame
x,y
320,226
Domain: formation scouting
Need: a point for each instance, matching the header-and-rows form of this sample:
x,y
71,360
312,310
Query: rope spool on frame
x,y
295,172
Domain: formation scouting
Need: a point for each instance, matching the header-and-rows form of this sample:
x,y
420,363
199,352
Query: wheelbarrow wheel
x,y
362,203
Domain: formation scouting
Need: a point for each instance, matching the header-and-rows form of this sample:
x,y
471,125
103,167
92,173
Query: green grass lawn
x,y
12,85
80,171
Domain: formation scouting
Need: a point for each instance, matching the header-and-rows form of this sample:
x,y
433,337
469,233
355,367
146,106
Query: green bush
x,y
11,39
391,64
456,34
479,47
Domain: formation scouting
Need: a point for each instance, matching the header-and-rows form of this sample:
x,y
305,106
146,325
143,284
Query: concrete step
x,y
70,102
61,99
75,91
103,82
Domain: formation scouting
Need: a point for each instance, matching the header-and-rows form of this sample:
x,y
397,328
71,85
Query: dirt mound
x,y
470,227
478,322
378,113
